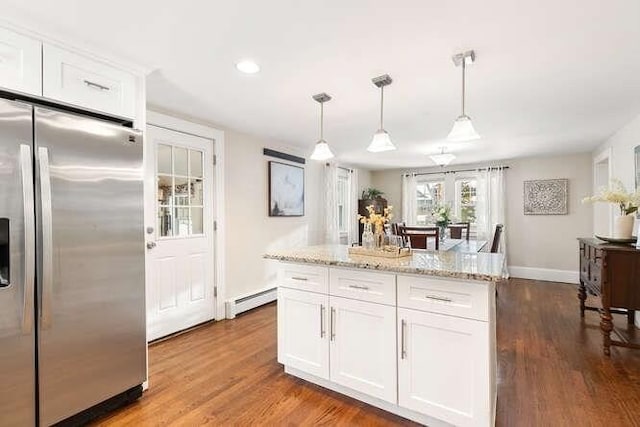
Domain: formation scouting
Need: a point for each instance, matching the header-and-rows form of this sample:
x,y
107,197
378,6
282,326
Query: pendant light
x,y
381,140
463,128
442,159
321,150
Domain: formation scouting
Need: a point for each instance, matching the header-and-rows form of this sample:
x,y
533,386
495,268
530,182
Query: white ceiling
x,y
551,76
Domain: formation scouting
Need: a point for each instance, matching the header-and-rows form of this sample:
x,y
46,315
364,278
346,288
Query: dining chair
x,y
419,236
394,227
495,244
455,229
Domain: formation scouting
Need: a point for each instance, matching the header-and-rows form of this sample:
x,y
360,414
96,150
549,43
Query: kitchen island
x,y
414,336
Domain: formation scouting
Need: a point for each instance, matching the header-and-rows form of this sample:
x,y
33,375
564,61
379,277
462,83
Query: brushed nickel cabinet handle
x,y
437,298
95,85
322,331
403,349
332,326
304,279
365,288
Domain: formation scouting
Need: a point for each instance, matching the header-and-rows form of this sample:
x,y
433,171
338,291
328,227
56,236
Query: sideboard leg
x,y
606,324
582,296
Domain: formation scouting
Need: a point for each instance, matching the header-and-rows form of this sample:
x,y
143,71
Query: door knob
x,y
151,245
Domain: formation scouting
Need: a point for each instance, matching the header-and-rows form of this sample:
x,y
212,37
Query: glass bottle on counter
x,y
367,237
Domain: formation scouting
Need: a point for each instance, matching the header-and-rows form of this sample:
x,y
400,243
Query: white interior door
x,y
180,283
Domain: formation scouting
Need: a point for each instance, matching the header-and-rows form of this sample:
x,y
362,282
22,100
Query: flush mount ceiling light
x,y
381,140
248,67
321,150
463,128
442,159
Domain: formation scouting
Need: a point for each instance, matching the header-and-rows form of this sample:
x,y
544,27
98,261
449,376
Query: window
x,y
342,195
466,199
180,191
429,195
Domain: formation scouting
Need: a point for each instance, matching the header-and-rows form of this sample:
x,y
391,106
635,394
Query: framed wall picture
x,y
286,189
546,197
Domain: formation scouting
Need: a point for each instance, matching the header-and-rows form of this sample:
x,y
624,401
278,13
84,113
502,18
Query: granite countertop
x,y
470,266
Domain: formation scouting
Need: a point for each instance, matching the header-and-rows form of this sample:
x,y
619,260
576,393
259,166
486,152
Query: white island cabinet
x,y
415,338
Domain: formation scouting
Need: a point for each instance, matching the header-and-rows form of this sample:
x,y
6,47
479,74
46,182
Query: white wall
x,y
250,230
622,145
542,247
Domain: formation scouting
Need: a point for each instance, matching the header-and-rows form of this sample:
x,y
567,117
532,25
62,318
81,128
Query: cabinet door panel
x,y
20,63
444,369
363,347
81,81
302,331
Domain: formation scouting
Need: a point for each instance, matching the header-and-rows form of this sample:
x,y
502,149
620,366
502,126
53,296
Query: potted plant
x,y
442,217
626,202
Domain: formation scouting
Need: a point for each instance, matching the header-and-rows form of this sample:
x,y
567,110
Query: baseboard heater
x,y
247,302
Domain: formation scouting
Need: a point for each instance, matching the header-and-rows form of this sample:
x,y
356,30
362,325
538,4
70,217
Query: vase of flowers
x,y
376,222
368,241
442,218
626,202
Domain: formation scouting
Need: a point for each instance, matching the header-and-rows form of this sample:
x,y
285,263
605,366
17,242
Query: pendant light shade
x,y
463,129
321,151
381,140
442,159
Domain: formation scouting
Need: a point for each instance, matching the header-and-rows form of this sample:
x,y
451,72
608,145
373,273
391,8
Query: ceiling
x,y
551,76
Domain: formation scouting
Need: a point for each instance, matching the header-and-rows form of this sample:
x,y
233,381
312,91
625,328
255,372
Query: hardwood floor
x,y
551,372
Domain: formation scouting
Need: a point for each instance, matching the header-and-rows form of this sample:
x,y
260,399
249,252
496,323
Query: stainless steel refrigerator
x,y
72,299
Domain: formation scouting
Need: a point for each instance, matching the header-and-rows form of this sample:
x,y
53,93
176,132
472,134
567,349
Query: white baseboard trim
x,y
546,274
246,302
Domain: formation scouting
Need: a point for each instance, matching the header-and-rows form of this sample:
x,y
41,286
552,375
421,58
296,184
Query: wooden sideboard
x,y
612,273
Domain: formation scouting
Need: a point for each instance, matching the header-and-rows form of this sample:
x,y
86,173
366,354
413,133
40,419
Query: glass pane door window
x,y
180,188
342,196
429,195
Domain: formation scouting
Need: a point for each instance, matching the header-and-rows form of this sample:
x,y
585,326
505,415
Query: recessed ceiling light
x,y
248,67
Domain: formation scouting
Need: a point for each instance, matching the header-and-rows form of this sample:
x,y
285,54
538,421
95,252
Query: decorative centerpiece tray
x,y
383,252
614,240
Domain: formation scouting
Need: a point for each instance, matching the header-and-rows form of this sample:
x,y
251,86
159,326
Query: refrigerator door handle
x,y
47,237
26,169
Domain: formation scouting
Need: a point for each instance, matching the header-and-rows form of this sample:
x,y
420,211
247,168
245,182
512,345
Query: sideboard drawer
x,y
306,277
363,285
445,296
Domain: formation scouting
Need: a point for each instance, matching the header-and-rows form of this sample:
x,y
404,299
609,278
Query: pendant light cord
x,y
321,121
463,84
381,106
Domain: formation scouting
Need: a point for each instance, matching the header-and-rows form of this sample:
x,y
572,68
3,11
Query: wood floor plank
x,y
551,372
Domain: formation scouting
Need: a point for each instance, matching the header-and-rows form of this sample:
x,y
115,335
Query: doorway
x,y
602,212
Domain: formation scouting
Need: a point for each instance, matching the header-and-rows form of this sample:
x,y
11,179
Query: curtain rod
x,y
456,171
340,167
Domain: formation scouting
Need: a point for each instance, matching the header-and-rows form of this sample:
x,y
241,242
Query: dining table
x,y
458,245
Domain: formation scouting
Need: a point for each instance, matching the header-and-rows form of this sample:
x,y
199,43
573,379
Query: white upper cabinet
x,y
20,63
78,80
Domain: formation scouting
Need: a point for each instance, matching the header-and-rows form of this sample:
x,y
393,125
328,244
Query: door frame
x,y
604,156
217,136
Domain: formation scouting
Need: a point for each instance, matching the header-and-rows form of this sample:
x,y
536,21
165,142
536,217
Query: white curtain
x,y
331,226
409,199
491,205
353,208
